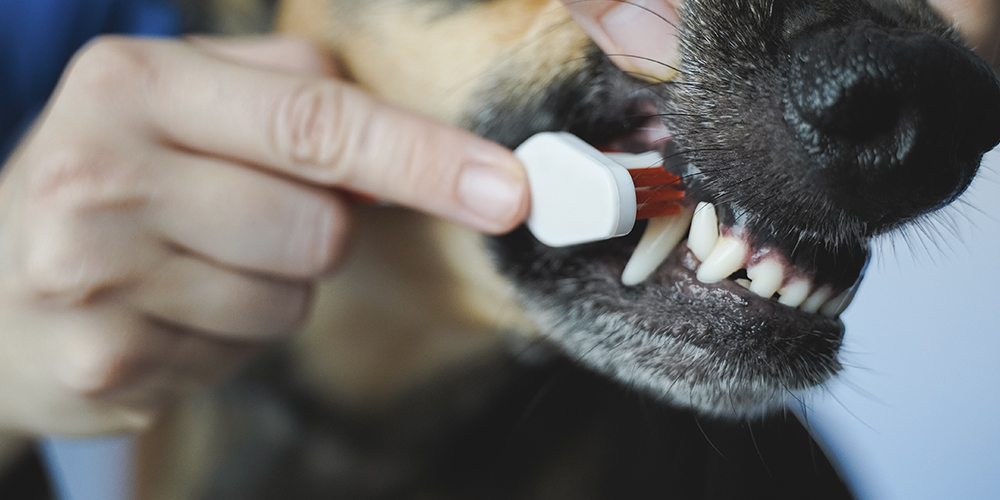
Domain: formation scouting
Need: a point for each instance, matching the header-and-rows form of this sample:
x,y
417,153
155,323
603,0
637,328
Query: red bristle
x,y
658,210
655,195
658,192
656,176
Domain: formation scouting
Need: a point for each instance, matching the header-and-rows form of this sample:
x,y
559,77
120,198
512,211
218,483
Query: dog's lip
x,y
728,309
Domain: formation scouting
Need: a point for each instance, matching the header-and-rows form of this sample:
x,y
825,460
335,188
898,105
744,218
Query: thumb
x,y
640,36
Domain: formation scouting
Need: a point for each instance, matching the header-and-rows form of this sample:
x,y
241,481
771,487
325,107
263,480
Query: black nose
x,y
895,121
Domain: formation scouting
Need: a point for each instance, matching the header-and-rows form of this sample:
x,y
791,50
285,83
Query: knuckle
x,y
109,65
59,186
310,128
58,279
71,173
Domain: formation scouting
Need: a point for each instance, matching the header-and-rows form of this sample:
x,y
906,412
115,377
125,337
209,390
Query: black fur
x,y
505,429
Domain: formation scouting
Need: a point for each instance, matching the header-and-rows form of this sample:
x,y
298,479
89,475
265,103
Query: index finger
x,y
328,133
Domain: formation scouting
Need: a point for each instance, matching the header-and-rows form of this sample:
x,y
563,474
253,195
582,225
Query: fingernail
x,y
647,34
491,193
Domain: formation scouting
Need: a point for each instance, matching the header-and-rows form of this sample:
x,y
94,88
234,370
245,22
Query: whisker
x,y
650,59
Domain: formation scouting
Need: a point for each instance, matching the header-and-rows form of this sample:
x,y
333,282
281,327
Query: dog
x,y
443,364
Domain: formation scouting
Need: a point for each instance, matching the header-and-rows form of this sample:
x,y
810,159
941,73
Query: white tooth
x,y
817,299
837,305
660,238
745,283
727,257
794,293
767,277
704,230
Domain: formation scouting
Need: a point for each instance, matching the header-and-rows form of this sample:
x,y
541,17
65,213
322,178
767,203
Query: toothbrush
x,y
581,195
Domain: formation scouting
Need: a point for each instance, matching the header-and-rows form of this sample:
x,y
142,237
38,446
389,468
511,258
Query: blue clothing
x,y
38,38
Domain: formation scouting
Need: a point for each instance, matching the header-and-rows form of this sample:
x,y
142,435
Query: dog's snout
x,y
895,122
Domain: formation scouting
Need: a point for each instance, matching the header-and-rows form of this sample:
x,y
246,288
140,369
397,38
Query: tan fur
x,y
416,55
415,296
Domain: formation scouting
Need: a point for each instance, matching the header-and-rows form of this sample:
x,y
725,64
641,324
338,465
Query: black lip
x,y
839,265
758,337
717,348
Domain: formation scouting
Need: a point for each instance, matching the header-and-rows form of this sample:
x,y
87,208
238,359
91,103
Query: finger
x,y
246,218
284,52
639,36
193,294
128,358
328,133
173,362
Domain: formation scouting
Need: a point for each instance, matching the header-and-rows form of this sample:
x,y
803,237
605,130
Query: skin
x,y
155,229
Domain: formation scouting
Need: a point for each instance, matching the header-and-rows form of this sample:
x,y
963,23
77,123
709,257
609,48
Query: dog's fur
x,y
434,366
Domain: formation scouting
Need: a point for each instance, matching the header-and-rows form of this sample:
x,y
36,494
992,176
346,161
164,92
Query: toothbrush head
x,y
581,195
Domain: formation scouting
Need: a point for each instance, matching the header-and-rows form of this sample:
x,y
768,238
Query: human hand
x,y
171,208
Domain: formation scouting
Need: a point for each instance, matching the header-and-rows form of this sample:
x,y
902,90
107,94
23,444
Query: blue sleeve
x,y
38,38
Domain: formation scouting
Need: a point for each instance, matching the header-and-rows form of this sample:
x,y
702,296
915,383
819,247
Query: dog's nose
x,y
895,121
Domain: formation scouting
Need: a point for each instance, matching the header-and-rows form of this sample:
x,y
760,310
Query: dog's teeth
x,y
704,231
660,238
727,257
767,277
817,299
794,293
837,305
745,283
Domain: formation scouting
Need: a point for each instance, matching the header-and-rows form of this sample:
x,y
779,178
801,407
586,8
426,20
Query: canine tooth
x,y
767,277
727,257
836,306
704,230
794,293
660,238
817,299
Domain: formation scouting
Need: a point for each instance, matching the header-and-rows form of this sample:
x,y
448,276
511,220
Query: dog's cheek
x,y
433,57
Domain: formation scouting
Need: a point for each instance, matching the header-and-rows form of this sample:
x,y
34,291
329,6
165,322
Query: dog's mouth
x,y
700,308
710,240
787,173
